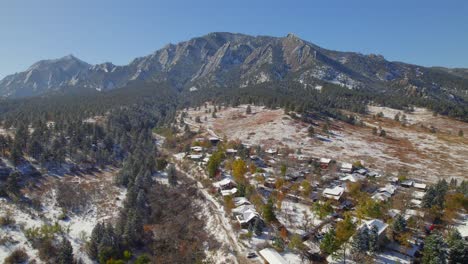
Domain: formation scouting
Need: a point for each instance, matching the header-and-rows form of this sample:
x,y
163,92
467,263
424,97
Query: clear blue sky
x,y
421,32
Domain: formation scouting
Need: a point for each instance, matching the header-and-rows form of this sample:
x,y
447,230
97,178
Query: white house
x,y
229,192
333,193
224,184
346,167
271,256
352,177
420,186
247,217
381,227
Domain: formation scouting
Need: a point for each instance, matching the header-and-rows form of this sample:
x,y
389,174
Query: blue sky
x,y
420,32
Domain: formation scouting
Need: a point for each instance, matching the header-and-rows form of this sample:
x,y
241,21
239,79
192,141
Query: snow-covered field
x,y
427,156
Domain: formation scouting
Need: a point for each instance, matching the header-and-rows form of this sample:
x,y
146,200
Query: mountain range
x,y
237,60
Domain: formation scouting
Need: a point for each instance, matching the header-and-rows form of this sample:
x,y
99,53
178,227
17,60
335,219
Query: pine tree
x,y
399,224
428,197
434,251
361,240
248,110
329,242
269,212
373,239
65,254
12,186
457,247
311,131
172,175
95,240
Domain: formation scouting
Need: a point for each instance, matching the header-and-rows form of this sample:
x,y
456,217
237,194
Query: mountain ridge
x,y
239,60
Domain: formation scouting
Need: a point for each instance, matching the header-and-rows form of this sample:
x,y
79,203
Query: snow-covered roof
x,y
334,193
361,171
393,212
388,188
196,148
229,192
410,212
243,208
247,216
415,202
419,185
222,183
272,256
346,165
238,201
418,195
271,151
325,160
382,196
407,183
352,177
381,225
463,227
231,151
195,156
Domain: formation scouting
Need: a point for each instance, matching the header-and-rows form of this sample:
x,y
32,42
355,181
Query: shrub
x,y
17,256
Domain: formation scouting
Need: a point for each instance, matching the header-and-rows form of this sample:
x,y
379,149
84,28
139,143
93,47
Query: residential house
x,y
418,195
420,186
239,201
214,140
228,192
333,193
196,149
346,167
195,156
381,227
240,210
381,196
247,217
324,163
352,177
407,183
271,151
271,256
231,151
362,171
270,183
225,184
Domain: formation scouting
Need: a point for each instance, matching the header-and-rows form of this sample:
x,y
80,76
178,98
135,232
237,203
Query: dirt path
x,y
217,211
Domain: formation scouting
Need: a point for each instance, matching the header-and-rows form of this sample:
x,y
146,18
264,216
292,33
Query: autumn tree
x,y
238,170
345,229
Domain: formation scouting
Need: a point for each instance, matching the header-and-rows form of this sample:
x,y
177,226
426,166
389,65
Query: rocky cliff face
x,y
237,60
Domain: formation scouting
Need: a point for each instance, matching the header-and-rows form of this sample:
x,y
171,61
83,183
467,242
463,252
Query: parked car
x,y
252,255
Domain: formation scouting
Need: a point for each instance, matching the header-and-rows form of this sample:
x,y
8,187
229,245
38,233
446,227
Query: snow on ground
x,y
292,215
218,224
106,197
391,257
427,156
